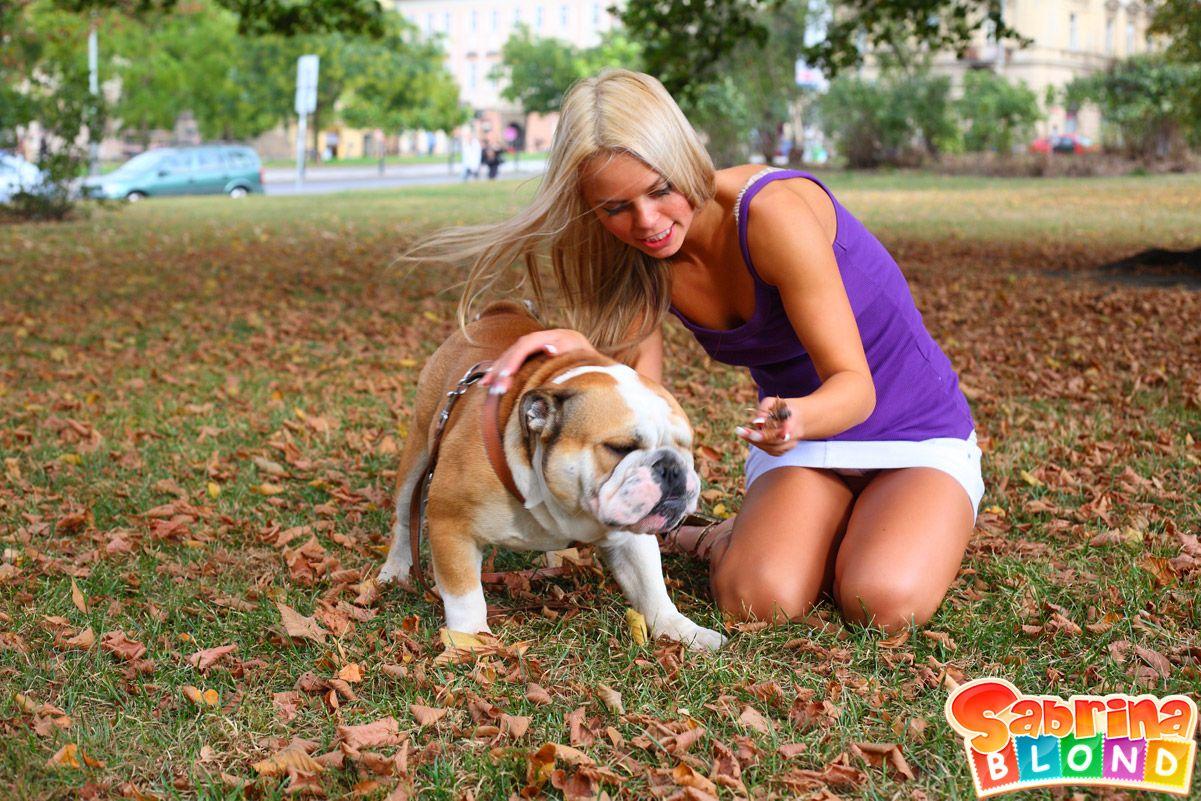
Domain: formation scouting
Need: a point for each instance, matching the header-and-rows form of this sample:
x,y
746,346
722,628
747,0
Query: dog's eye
x,y
621,448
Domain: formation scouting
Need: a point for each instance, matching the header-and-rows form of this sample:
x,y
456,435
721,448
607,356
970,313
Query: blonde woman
x,y
867,490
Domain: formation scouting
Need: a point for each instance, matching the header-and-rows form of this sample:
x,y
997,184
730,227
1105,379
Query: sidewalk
x,y
530,165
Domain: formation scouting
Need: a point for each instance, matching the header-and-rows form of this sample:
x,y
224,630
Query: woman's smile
x,y
636,204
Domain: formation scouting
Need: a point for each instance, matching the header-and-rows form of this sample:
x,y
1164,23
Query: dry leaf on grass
x,y
291,758
299,626
385,731
201,697
535,693
427,715
877,754
203,660
636,624
119,645
611,699
77,598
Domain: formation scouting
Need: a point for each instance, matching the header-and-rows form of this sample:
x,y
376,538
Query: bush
x,y
997,114
896,121
1150,102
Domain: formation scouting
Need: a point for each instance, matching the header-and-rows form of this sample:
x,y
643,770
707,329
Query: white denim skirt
x,y
959,458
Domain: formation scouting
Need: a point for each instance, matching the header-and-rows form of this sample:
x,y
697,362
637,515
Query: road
x,y
324,180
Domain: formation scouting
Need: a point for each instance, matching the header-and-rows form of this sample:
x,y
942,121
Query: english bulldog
x,y
601,454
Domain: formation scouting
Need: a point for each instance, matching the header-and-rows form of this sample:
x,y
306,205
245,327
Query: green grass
x,y
194,335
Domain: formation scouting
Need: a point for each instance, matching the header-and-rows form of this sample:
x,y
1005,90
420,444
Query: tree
x,y
1180,22
757,90
1149,100
900,119
687,57
262,17
44,80
537,71
997,112
403,86
904,32
236,87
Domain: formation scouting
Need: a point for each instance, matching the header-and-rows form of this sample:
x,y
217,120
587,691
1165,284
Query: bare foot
x,y
698,541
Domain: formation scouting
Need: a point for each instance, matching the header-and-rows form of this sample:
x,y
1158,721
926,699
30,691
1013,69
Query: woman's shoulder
x,y
733,180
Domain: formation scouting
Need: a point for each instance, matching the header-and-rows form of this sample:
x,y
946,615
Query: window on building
x,y
475,20
495,19
429,23
564,16
1109,36
516,15
1073,32
446,22
473,74
1129,38
596,14
538,18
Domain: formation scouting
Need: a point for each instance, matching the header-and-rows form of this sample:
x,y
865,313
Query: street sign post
x,y
306,104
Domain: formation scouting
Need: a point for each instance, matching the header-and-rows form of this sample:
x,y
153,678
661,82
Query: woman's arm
x,y
791,250
649,361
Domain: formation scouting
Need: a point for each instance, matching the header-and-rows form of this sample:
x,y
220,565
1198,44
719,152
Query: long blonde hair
x,y
611,292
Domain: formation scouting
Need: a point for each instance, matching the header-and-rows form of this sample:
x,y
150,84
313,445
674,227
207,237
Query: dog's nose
x,y
669,474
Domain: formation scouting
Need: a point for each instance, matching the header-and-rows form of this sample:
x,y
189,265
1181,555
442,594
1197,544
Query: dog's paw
x,y
684,630
392,573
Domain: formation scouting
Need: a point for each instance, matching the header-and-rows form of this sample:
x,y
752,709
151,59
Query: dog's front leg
x,y
634,561
457,563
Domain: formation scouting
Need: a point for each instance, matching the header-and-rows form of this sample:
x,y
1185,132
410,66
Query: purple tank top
x,y
917,391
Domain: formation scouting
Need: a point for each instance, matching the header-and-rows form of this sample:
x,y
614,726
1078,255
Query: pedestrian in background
x,y
492,158
471,157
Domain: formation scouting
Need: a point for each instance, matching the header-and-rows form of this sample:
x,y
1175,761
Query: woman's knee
x,y
888,602
763,592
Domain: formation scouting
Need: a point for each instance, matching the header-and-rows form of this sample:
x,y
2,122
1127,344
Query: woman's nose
x,y
644,215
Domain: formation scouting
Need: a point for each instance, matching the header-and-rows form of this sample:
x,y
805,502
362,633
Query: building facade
x,y
472,32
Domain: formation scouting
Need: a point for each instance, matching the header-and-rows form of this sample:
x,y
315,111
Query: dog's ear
x,y
541,410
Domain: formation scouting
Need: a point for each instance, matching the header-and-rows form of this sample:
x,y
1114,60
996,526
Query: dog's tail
x,y
526,308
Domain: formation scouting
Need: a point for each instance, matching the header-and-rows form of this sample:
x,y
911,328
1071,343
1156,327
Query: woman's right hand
x,y
555,341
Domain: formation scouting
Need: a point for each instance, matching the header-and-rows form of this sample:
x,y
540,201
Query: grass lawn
x,y
201,402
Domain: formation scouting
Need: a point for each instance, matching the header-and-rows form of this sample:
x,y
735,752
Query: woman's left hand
x,y
776,426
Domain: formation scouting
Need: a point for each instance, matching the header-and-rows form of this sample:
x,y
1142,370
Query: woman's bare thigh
x,y
780,556
903,547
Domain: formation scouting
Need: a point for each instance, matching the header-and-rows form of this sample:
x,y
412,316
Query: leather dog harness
x,y
493,445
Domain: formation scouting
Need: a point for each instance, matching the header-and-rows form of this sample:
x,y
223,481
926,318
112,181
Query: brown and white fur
x,y
602,455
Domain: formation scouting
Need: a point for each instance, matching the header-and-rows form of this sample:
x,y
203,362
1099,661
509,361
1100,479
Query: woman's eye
x,y
664,191
611,212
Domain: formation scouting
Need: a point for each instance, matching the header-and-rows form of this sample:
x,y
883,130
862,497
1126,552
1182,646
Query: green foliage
x,y
997,113
46,81
402,84
537,71
1151,102
905,30
1180,22
900,119
687,57
263,17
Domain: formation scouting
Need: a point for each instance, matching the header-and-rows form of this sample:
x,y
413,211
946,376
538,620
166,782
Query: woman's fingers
x,y
498,375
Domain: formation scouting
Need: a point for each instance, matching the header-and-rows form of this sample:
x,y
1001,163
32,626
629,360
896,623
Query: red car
x,y
1063,143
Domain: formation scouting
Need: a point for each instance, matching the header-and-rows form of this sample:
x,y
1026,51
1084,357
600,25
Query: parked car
x,y
17,174
1063,143
233,170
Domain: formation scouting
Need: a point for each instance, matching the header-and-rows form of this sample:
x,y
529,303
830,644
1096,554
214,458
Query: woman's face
x,y
636,204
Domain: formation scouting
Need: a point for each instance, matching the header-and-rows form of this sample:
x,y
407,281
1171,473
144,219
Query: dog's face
x,y
606,442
